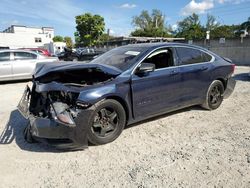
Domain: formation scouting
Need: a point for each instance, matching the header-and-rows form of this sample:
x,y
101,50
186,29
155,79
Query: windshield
x,y
120,58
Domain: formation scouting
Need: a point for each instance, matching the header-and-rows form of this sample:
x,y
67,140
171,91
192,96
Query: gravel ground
x,y
188,148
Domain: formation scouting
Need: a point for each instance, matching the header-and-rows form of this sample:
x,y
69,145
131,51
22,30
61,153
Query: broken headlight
x,y
60,111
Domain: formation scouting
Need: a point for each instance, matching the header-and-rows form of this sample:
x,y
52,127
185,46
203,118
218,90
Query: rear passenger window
x,y
24,56
207,57
4,56
191,56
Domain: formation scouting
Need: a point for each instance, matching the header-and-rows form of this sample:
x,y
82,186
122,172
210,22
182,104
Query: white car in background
x,y
20,64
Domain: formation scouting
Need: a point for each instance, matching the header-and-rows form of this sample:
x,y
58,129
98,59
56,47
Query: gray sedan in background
x,y
20,64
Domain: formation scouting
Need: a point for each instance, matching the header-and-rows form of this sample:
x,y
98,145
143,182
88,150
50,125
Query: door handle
x,y
203,68
174,72
6,63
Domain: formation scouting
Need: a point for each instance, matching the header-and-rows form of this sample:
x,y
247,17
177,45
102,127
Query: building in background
x,y
18,36
55,47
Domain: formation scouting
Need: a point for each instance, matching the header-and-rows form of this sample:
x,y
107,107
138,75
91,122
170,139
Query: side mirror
x,y
145,68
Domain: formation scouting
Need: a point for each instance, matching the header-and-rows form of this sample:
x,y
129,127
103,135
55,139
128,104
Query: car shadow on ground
x,y
13,131
242,77
192,108
14,81
15,127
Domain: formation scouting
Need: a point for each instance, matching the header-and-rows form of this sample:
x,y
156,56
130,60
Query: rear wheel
x,y
106,122
214,96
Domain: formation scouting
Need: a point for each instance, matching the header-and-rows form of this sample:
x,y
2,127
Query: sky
x,y
117,14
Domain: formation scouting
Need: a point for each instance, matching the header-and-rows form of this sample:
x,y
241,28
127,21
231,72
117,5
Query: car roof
x,y
162,44
34,49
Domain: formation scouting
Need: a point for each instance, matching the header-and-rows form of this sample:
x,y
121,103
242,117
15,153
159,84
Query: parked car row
x,y
41,51
81,54
20,64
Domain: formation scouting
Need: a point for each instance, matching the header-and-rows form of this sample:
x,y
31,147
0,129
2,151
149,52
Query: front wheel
x,y
214,96
107,121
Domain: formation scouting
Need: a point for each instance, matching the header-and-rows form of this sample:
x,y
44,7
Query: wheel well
x,y
224,82
122,102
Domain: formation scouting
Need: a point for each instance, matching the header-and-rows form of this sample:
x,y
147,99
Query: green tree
x,y
211,23
246,25
68,41
88,29
190,28
57,38
150,25
225,31
104,38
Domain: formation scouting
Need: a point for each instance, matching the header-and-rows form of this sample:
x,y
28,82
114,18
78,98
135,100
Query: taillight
x,y
233,68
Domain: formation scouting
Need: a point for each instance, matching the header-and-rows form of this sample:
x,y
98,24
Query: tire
x,y
214,95
107,116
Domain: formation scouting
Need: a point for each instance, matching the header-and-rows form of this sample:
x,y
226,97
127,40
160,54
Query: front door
x,y
157,91
23,65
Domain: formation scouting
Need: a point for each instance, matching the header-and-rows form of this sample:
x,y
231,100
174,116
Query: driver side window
x,y
161,58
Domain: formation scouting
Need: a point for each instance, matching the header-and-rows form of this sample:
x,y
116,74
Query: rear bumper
x,y
230,87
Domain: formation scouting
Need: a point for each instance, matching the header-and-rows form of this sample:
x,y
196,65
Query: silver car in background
x,y
20,64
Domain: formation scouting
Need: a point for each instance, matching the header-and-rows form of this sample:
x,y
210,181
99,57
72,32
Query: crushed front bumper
x,y
51,131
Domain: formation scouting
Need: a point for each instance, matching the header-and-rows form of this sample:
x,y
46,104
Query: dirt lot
x,y
188,148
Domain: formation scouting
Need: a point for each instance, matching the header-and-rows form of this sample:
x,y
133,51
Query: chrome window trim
x,y
176,66
138,64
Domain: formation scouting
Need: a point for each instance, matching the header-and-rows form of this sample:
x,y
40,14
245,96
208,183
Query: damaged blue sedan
x,y
73,104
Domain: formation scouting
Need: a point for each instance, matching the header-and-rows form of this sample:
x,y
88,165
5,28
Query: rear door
x,y
5,66
24,64
195,69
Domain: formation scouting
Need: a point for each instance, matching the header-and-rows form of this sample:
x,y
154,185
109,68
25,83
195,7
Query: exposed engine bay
x,y
61,104
78,77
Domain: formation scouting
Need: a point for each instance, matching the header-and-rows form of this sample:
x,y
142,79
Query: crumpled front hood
x,y
45,68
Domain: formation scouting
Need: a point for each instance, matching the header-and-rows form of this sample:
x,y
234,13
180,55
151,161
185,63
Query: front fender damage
x,y
58,113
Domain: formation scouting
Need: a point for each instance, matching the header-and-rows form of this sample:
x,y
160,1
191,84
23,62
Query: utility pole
x,y
208,39
108,32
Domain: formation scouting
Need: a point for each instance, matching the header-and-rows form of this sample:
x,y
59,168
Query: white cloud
x,y
128,6
197,7
202,6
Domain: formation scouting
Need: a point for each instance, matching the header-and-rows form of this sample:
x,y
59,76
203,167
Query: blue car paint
x,y
158,92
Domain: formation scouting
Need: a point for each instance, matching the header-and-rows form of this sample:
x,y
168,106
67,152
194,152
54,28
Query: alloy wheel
x,y
105,122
